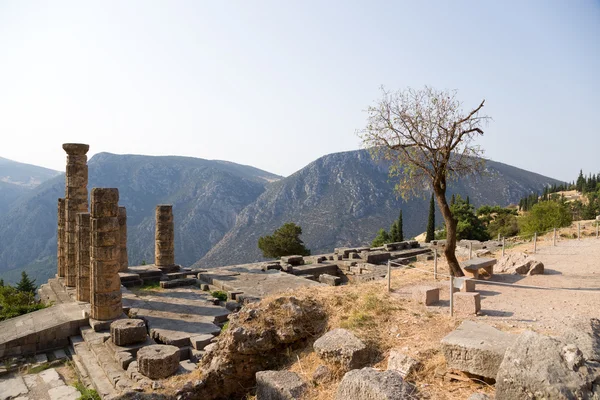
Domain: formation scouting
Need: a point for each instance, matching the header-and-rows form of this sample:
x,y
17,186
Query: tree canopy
x,y
428,139
285,241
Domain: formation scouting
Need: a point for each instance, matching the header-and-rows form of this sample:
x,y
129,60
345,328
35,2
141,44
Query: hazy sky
x,y
277,84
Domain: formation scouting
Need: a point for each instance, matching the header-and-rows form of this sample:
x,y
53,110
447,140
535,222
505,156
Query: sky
x,y
277,84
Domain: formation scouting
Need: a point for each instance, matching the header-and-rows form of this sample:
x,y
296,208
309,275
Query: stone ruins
x,y
122,342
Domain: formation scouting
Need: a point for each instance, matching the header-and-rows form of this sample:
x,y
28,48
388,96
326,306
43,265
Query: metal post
x,y
470,250
498,237
451,296
596,229
554,239
579,231
389,276
534,242
503,245
435,264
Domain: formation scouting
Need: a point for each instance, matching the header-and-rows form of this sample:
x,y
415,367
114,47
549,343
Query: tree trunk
x,y
449,251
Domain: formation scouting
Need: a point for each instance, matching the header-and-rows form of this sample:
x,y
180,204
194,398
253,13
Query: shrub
x,y
544,216
219,294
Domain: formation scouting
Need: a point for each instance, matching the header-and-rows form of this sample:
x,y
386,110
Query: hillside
x,y
206,197
17,179
342,199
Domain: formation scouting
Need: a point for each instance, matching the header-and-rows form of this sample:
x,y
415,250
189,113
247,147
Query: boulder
x,y
279,385
368,383
476,348
519,263
402,363
540,367
586,336
342,348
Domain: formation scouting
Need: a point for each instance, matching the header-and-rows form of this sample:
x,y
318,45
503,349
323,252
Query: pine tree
x,y
1,282
400,230
285,241
26,285
381,238
580,182
452,200
431,222
468,200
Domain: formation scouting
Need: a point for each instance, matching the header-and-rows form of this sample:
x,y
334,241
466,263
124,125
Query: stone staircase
x,y
55,292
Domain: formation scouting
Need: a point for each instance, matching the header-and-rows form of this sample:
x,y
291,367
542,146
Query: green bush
x,y
14,303
86,394
219,294
285,241
543,217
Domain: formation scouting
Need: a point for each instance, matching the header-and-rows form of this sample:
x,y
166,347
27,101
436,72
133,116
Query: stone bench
x,y
473,266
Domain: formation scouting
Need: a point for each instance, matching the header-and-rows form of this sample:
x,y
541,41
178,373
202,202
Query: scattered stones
x,y
541,367
402,363
427,295
128,331
476,348
279,385
521,264
341,347
368,383
158,361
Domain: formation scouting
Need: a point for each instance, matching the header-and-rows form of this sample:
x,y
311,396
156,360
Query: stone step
x,y
178,283
91,368
47,295
177,275
113,371
62,293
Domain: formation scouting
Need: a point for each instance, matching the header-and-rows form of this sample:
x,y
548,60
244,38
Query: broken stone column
x,y
60,236
82,243
76,197
104,255
123,259
164,250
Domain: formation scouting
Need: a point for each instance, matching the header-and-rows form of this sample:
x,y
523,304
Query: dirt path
x,y
573,264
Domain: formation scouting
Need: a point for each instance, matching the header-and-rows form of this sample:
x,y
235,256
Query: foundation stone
x,y
128,331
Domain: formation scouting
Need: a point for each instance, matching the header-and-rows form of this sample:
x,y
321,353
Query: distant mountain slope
x,y
22,174
342,199
206,197
16,179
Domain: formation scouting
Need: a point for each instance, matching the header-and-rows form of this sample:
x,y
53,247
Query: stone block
x,y
158,361
464,284
427,295
128,331
424,257
368,383
199,342
329,279
279,385
343,348
377,257
293,260
476,348
467,303
402,363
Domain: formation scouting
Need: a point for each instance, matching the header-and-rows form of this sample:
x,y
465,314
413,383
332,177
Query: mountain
x,y
343,199
17,179
206,196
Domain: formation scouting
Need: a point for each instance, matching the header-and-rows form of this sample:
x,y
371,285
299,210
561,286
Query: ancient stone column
x,y
82,243
76,197
104,255
123,259
60,238
164,250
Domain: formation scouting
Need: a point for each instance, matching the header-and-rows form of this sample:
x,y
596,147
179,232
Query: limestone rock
x,y
341,347
158,361
476,348
128,331
479,396
279,385
586,336
321,374
402,363
519,263
540,367
368,383
13,387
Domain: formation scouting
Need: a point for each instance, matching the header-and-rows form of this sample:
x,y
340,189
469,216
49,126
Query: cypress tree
x,y
468,200
431,222
393,236
400,230
26,285
452,200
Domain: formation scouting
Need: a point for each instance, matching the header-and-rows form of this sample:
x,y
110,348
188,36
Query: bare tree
x,y
428,140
